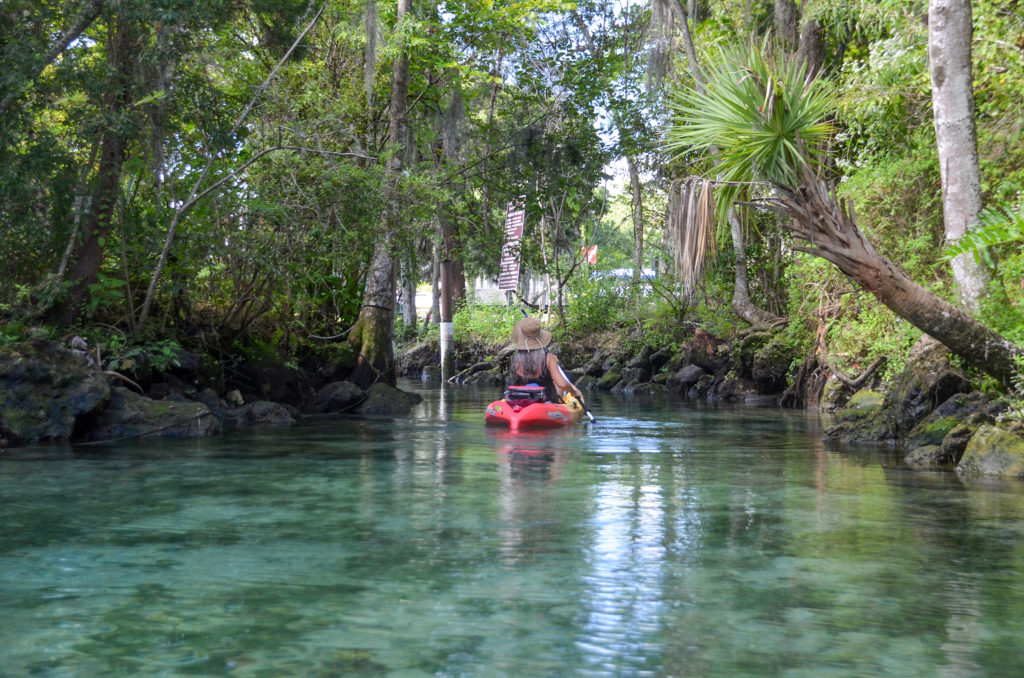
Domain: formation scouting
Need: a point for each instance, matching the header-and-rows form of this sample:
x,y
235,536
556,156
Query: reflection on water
x,y
665,540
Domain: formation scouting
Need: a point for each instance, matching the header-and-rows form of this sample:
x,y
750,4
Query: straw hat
x,y
527,335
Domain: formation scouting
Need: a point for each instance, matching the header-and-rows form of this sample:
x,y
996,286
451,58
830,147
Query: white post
x,y
447,347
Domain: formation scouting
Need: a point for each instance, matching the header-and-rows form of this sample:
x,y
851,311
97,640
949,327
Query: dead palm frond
x,y
691,228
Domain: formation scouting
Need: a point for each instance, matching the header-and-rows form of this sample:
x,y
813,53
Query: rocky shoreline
x,y
52,394
931,412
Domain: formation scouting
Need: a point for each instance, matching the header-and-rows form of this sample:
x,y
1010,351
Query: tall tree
x,y
122,51
374,329
949,63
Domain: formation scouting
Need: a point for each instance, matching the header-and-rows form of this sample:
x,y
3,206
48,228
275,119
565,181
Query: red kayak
x,y
522,408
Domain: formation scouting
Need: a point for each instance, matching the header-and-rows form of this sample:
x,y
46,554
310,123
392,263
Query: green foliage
x,y
885,97
898,202
121,354
594,304
995,227
105,295
485,323
761,114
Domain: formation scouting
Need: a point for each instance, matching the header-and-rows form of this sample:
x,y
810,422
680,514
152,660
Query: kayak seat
x,y
519,397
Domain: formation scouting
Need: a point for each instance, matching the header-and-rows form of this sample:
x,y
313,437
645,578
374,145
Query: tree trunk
x,y
374,330
638,218
451,256
949,61
434,315
811,49
113,149
742,306
787,23
832,233
409,295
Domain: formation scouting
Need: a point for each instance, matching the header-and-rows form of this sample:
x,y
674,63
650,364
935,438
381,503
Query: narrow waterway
x,y
667,539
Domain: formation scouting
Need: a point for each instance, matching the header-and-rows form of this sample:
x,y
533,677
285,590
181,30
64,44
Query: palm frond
x,y
760,118
995,227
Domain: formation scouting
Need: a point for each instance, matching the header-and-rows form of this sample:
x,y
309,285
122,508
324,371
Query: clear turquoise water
x,y
667,539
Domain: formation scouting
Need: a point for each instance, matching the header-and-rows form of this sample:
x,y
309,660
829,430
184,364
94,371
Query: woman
x,y
532,364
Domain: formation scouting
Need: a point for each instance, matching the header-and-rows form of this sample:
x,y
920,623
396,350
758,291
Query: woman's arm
x,y
558,376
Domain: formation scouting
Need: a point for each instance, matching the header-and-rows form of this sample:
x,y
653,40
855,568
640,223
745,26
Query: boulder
x,y
213,401
259,414
637,374
487,377
864,420
733,389
660,358
277,383
701,388
130,415
993,451
685,378
385,400
771,364
708,351
746,348
595,366
44,390
610,378
834,395
927,381
338,396
642,360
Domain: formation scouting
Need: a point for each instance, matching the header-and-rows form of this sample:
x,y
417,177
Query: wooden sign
x,y
515,219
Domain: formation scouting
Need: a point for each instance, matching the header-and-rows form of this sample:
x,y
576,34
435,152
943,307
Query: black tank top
x,y
544,380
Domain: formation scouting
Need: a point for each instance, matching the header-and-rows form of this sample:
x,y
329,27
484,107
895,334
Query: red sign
x,y
515,218
589,254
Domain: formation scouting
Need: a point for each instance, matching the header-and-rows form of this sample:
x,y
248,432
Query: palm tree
x,y
766,124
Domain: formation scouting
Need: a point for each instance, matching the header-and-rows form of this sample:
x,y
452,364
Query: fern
x,y
995,227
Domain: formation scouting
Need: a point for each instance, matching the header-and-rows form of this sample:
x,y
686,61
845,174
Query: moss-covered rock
x,y
864,420
129,415
928,381
610,378
384,400
771,366
834,395
993,451
745,352
931,431
44,390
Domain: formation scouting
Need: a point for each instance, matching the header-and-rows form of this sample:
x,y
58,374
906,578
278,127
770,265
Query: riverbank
x,y
931,411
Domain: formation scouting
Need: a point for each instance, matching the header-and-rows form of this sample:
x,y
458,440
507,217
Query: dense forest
x,y
269,177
